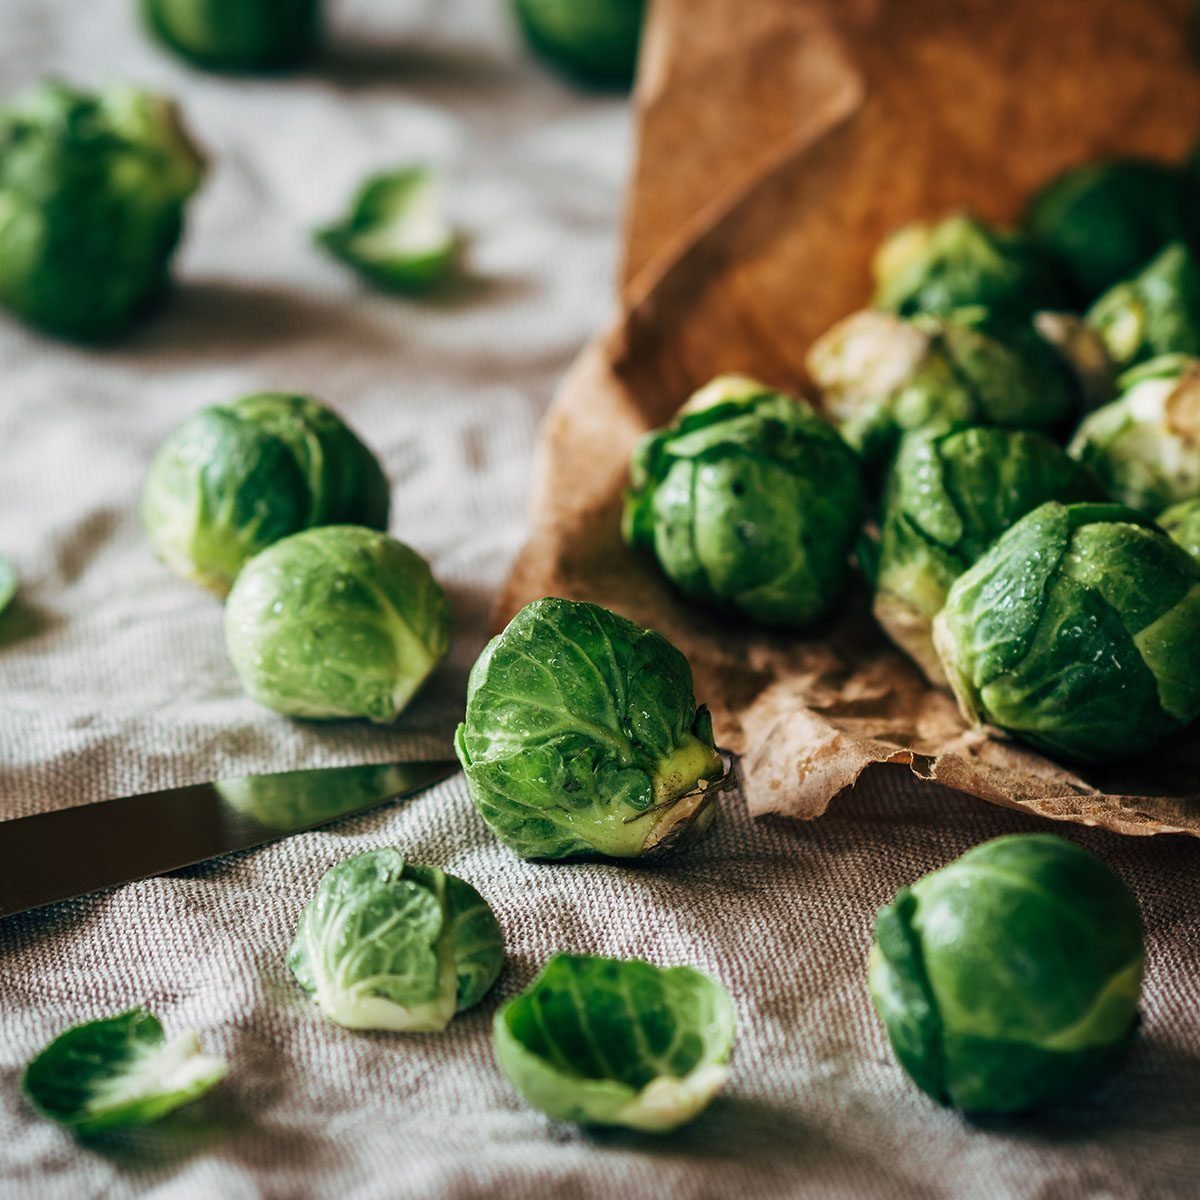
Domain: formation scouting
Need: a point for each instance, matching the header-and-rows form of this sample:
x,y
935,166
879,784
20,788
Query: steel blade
x,y
58,855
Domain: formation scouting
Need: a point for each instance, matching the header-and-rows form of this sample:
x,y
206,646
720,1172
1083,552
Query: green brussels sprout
x,y
1077,632
582,737
236,34
118,1072
235,478
1010,978
1144,447
880,376
389,944
92,195
396,234
594,40
749,501
609,1041
1105,221
338,621
960,263
950,493
1182,524
1156,312
8,582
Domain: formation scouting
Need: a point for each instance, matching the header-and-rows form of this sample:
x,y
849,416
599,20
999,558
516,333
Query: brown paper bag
x,y
780,141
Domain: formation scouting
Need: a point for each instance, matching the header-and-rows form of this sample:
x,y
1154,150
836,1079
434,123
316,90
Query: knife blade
x,y
59,855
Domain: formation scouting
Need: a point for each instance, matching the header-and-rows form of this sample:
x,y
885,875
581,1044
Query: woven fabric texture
x,y
113,679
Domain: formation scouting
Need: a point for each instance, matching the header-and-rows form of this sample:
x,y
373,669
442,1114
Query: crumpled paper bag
x,y
780,141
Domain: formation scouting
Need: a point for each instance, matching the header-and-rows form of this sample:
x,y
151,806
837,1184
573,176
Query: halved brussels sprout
x,y
338,621
396,234
960,263
594,40
1182,524
1079,632
118,1072
1011,977
92,195
749,501
1105,221
389,944
950,493
1144,447
1156,312
582,737
235,478
881,376
8,582
608,1041
236,34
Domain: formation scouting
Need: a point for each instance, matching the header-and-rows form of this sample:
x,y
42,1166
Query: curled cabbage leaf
x,y
606,1041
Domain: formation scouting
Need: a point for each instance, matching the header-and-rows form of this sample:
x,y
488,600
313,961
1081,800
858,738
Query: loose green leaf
x,y
1077,632
117,1072
236,478
604,1041
338,621
236,34
397,234
92,194
582,737
750,502
387,944
1011,977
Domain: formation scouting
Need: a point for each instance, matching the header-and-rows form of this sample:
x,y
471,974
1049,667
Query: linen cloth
x,y
113,679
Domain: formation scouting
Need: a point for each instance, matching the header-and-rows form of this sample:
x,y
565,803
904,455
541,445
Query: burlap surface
x,y
113,679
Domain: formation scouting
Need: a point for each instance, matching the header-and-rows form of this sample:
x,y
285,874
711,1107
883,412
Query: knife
x,y
58,855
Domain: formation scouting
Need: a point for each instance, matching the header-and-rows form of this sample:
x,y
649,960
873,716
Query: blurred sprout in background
x,y
596,41
881,375
235,35
749,501
337,621
1156,312
8,582
93,188
960,263
1011,977
235,478
1076,632
396,234
1182,523
1144,447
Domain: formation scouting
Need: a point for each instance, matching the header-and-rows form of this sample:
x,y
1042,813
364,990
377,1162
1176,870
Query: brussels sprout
x,y
1182,524
233,479
236,34
92,195
388,944
749,501
339,621
1105,221
1077,632
8,582
951,492
396,234
961,263
117,1072
1144,447
880,375
593,40
582,737
1009,978
1156,312
609,1041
